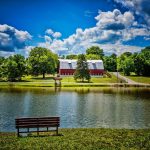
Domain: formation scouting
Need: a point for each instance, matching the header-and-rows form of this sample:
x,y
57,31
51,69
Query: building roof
x,y
72,64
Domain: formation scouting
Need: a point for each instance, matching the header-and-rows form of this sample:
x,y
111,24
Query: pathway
x,y
124,78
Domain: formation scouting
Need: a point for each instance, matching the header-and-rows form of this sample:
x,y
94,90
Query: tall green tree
x,y
42,61
82,71
110,62
121,59
95,50
128,66
14,67
138,64
142,62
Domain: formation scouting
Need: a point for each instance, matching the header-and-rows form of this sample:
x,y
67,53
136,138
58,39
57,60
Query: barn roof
x,y
72,63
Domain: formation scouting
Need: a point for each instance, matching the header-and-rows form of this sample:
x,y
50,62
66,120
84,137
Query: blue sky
x,y
71,26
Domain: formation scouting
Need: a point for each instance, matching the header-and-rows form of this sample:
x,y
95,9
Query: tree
x,y
138,64
110,62
82,72
142,62
72,56
121,59
14,67
128,66
96,51
128,54
2,59
42,61
93,57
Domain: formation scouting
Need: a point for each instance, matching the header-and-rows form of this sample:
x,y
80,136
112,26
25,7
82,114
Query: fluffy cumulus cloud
x,y
114,20
119,48
47,39
140,7
53,34
12,39
49,31
57,35
112,28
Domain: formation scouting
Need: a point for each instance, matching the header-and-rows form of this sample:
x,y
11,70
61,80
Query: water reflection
x,y
79,107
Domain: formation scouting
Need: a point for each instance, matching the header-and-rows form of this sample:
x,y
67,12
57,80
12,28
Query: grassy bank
x,y
49,78
81,139
139,79
30,81
38,81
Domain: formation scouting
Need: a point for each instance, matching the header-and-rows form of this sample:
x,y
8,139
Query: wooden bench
x,y
43,122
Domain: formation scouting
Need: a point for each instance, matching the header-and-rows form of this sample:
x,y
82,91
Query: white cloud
x,y
119,48
47,38
111,29
57,35
49,31
53,34
12,39
140,7
6,54
22,36
147,38
114,20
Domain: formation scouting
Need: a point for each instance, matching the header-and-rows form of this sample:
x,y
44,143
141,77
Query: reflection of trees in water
x,y
137,91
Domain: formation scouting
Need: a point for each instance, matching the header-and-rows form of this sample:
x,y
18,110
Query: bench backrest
x,y
37,122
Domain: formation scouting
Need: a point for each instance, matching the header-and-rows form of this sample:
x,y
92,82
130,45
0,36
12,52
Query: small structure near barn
x,y
67,67
57,81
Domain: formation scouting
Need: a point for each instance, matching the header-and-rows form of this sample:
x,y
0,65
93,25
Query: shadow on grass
x,y
83,82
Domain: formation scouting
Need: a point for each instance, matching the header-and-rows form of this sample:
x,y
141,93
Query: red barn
x,y
67,67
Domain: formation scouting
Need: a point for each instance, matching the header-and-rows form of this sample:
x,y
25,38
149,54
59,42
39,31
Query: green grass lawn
x,y
69,79
140,79
80,139
66,81
93,79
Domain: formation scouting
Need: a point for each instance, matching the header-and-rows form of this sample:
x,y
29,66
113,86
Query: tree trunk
x,y
43,75
82,79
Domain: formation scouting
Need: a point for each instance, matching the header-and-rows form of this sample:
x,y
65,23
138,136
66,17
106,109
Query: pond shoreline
x,y
80,138
47,84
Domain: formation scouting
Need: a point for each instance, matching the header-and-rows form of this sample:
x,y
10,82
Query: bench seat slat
x,y
48,118
35,126
37,122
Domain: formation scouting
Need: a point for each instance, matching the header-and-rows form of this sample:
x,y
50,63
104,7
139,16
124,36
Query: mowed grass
x,y
38,81
140,79
97,79
80,139
49,78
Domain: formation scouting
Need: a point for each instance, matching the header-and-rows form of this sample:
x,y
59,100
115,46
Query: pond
x,y
78,107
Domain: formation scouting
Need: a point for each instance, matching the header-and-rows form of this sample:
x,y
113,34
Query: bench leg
x,y
56,130
37,131
18,132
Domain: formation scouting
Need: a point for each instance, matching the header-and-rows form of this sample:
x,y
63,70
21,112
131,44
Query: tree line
x,y
139,63
40,61
43,61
